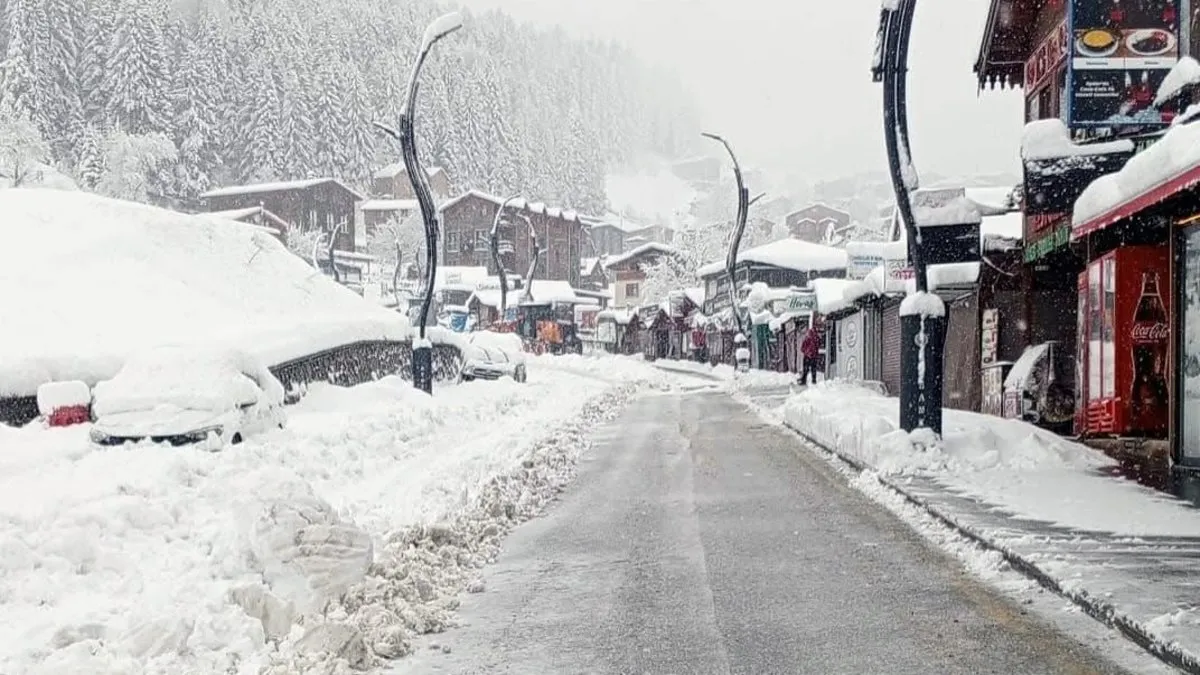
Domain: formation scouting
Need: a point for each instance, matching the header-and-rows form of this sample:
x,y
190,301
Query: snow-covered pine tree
x,y
18,79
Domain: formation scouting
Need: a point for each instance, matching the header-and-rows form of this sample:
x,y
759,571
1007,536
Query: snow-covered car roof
x,y
195,378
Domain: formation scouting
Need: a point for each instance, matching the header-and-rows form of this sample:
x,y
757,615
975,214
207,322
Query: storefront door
x,y
1188,426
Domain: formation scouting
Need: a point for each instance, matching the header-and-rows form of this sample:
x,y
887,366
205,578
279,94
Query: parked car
x,y
186,396
490,356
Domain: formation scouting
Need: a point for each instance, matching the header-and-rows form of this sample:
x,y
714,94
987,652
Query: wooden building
x,y
467,224
314,203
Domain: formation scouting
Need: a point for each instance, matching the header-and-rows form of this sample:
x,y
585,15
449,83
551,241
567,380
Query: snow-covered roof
x,y
696,295
278,225
397,168
281,186
815,206
793,254
519,204
992,200
389,205
1170,164
544,290
1049,139
944,206
614,221
635,253
831,294
1009,225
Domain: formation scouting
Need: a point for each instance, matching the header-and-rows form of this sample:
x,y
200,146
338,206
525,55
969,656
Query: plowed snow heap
x,y
87,280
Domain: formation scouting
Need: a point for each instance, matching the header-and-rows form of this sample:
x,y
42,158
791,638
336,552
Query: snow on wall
x,y
922,304
101,278
1177,152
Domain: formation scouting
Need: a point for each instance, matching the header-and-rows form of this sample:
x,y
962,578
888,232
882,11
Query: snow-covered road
x,y
348,532
699,539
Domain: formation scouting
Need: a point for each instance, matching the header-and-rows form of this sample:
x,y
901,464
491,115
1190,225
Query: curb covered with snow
x,y
872,482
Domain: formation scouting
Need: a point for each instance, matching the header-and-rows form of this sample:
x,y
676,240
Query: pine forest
x,y
163,99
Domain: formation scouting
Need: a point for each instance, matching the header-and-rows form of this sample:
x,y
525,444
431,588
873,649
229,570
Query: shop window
x,y
633,291
1110,344
1095,334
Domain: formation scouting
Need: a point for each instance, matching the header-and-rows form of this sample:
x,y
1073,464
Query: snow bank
x,y
115,277
340,537
1008,463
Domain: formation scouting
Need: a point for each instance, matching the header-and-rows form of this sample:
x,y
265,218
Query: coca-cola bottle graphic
x,y
1148,396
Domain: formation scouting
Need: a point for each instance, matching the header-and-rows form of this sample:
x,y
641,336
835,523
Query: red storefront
x,y
1140,300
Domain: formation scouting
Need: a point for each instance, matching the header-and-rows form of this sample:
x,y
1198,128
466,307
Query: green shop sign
x,y
802,302
1054,240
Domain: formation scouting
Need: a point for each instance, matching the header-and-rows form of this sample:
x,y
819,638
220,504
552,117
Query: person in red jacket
x,y
810,349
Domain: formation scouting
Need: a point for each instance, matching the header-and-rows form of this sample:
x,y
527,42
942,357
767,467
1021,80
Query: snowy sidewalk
x,y
1125,553
333,541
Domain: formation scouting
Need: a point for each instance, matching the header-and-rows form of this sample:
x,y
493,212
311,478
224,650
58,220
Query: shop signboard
x,y
859,264
1120,54
606,332
898,272
1047,58
801,301
992,393
989,336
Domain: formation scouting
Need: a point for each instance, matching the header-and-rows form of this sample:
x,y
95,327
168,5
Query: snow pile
x,y
1176,153
1185,73
54,395
832,294
331,542
932,208
922,304
1049,139
792,254
115,277
657,195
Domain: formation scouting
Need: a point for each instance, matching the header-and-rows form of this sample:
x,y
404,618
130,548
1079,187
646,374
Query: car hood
x,y
160,421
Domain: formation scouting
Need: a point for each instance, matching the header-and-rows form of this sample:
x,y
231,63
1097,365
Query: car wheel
x,y
519,374
237,438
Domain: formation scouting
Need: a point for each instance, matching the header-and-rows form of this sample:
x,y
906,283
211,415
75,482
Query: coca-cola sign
x,y
1150,332
1047,57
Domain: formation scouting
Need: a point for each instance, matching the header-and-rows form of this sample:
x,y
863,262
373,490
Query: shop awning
x,y
1167,168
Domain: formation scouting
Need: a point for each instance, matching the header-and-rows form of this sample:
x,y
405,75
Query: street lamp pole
x,y
739,229
495,246
422,358
922,332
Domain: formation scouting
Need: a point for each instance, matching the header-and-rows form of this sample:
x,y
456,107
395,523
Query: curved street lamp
x,y
422,358
739,229
922,337
535,252
495,246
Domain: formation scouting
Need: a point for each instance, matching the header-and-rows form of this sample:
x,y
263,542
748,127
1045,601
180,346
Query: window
x,y
452,241
482,240
329,221
633,291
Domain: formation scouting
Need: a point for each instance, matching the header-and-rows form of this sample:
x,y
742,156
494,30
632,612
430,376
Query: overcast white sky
x,y
808,103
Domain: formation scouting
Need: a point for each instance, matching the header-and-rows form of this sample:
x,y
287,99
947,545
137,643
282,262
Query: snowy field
x,y
326,545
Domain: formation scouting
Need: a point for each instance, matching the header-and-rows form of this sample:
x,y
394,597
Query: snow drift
x,y
98,278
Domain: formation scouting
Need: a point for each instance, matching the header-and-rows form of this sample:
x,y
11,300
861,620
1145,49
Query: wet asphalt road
x,y
699,540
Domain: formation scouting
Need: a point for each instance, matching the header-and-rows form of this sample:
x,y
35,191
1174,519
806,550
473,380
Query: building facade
x,y
318,203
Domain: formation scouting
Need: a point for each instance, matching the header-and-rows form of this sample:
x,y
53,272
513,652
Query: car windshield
x,y
194,380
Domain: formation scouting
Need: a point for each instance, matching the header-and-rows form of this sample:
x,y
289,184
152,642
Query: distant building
x,y
627,273
699,170
312,203
391,182
259,217
818,224
375,212
467,224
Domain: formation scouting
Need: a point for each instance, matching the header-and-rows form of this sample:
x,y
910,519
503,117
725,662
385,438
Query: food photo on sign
x,y
1121,52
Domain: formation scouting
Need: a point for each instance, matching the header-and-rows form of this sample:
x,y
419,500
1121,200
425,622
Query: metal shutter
x,y
891,348
962,386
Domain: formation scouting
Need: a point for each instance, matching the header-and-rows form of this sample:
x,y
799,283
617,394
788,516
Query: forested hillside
x,y
162,99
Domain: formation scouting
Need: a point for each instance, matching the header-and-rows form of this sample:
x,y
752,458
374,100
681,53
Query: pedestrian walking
x,y
810,349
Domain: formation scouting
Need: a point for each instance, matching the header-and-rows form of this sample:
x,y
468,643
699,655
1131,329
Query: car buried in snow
x,y
185,396
489,356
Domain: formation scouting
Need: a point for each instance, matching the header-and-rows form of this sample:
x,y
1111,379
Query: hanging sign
x,y
802,301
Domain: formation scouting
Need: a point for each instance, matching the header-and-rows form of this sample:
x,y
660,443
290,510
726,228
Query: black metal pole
x,y
739,228
495,246
422,351
922,336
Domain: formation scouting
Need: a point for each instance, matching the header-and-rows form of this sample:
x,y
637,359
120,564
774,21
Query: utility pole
x,y
923,315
